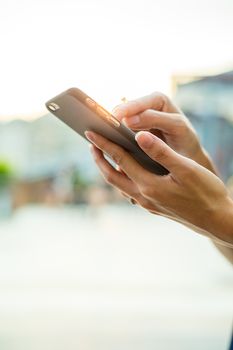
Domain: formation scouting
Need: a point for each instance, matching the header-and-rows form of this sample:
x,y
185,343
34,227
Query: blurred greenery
x,y
6,173
79,181
80,185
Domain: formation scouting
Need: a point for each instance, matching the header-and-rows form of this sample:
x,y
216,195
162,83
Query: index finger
x,y
156,101
121,157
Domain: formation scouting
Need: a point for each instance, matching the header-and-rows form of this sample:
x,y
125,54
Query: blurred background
x,y
80,268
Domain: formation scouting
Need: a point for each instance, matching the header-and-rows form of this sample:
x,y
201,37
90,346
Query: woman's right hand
x,y
189,194
159,115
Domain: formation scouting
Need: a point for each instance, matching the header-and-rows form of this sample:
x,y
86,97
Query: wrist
x,y
222,223
202,157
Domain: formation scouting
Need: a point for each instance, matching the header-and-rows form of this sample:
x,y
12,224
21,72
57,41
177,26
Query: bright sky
x,y
109,49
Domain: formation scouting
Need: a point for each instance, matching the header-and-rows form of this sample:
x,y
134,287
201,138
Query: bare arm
x,y
207,162
227,252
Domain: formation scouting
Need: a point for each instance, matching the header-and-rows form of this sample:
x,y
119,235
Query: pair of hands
x,y
191,193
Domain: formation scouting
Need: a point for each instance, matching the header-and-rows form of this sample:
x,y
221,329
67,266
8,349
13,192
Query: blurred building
x,y
42,146
51,164
208,103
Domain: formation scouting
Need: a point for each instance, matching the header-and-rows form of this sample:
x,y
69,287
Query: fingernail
x,y
132,120
145,139
90,136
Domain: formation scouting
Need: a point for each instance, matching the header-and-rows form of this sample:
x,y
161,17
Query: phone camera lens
x,y
53,106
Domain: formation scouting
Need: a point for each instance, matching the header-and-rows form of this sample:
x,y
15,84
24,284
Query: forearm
x,y
223,249
204,159
226,251
228,221
226,225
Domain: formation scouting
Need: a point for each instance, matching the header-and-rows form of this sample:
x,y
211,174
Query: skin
x,y
159,115
191,193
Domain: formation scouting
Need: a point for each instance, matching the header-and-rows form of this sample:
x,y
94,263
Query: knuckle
x,y
180,126
159,95
161,153
116,157
116,154
189,172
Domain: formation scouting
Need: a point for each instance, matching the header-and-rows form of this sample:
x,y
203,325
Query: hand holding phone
x,y
82,113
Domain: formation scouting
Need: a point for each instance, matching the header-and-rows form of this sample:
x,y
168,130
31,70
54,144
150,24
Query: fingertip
x,y
145,139
138,135
90,135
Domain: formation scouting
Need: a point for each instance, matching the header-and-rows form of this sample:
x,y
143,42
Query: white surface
x,y
113,278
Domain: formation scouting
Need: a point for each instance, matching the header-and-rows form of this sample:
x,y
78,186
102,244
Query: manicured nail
x,y
145,139
132,120
90,136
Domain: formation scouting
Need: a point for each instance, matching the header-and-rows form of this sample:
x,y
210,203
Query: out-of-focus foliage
x,y
6,173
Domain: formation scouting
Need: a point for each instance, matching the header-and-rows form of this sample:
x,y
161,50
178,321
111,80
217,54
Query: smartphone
x,y
82,113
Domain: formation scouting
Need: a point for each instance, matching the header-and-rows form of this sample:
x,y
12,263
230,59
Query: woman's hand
x,y
190,193
157,114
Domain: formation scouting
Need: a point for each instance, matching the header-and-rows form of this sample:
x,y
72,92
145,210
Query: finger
x,y
124,195
151,119
130,199
156,101
161,152
121,171
121,157
111,175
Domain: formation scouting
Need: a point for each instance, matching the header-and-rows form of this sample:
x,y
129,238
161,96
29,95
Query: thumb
x,y
159,151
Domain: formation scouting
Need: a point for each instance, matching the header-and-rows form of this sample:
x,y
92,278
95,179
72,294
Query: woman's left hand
x,y
190,193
